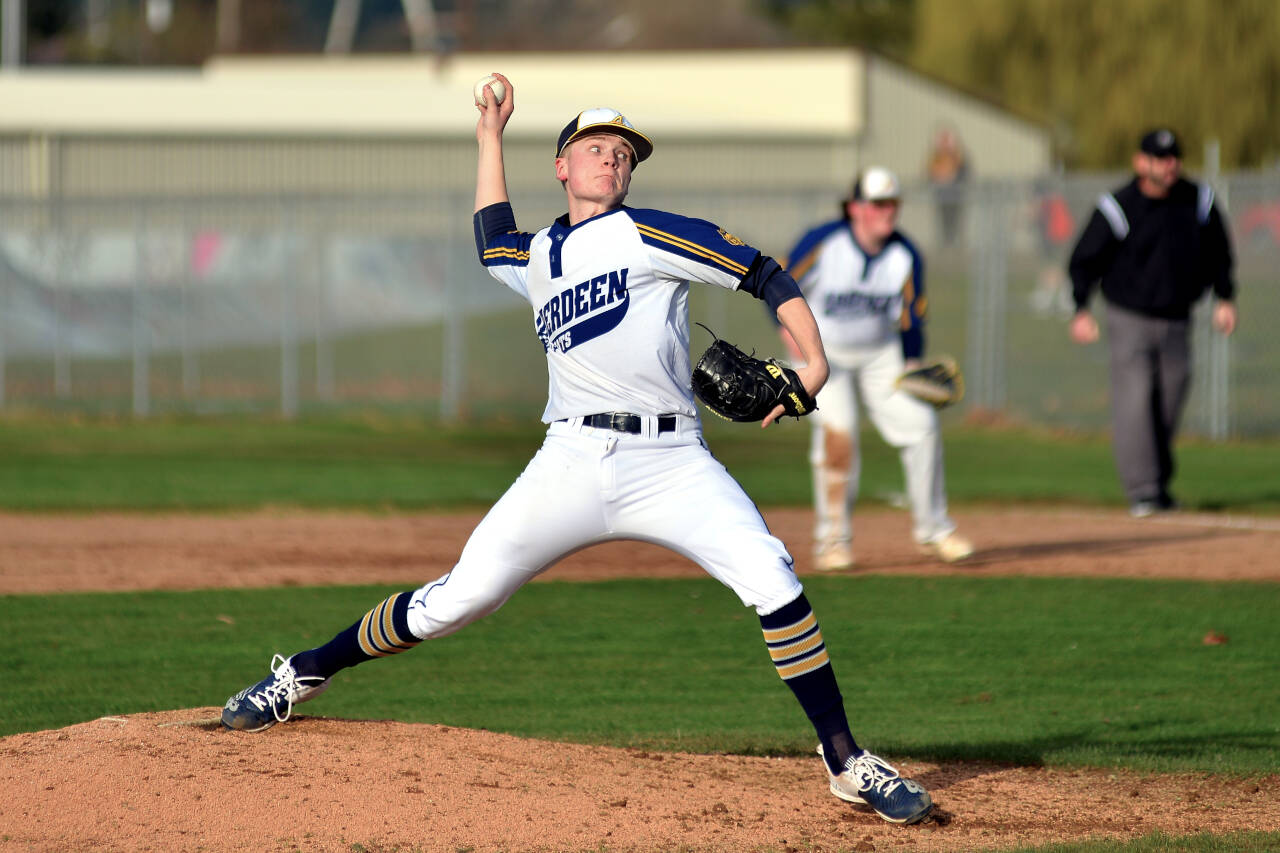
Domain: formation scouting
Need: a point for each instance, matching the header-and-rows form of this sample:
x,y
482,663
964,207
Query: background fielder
x,y
623,456
865,281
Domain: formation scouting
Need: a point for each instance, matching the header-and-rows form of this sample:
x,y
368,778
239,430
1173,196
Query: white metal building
x,y
764,118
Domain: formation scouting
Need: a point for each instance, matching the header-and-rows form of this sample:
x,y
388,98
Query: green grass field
x,y
377,461
1030,671
1236,842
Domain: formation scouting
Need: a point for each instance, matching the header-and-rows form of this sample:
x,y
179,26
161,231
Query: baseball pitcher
x,y
624,457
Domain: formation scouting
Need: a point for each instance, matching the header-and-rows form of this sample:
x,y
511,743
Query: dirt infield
x,y
176,781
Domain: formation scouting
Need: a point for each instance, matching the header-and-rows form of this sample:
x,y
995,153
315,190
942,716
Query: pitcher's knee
x,y
441,608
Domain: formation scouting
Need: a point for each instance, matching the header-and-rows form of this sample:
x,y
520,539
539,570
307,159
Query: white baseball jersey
x,y
861,301
870,310
610,305
610,302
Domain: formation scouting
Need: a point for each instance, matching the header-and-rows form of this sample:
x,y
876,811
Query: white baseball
x,y
499,90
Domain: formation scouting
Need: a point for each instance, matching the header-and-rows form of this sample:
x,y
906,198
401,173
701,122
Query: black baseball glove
x,y
740,387
938,383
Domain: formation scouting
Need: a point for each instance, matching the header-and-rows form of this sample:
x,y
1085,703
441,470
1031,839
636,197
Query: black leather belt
x,y
623,422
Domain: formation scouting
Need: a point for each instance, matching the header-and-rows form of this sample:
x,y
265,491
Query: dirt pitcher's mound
x,y
177,781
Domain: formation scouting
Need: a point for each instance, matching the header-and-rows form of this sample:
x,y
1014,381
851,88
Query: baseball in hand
x,y
499,90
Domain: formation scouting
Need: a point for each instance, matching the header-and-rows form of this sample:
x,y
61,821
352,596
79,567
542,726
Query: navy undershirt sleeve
x,y
492,221
913,342
766,280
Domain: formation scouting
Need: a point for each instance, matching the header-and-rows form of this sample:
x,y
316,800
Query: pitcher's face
x,y
597,168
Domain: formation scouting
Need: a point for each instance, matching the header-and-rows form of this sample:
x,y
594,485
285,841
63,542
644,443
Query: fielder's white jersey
x,y
861,301
610,304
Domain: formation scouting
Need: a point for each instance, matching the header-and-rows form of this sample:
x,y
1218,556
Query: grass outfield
x,y
1027,671
1236,842
380,462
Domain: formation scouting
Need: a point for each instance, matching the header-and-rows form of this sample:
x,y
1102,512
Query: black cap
x,y
1160,143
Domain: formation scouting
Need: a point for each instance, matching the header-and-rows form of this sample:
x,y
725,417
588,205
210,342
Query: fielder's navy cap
x,y
1160,143
604,120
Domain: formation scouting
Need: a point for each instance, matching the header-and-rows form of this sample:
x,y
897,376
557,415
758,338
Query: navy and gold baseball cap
x,y
604,120
1160,143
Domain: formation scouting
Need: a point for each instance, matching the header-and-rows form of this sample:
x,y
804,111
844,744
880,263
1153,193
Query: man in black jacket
x,y
1156,244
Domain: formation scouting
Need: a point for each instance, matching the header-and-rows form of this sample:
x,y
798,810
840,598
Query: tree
x,y
1101,72
886,26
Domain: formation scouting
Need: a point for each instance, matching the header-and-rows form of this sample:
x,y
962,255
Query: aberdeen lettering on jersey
x,y
854,304
582,312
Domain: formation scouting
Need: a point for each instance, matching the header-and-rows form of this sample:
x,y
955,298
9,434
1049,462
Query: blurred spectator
x,y
947,169
1260,222
1054,227
1054,223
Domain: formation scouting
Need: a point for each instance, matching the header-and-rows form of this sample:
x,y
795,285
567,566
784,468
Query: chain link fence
x,y
292,304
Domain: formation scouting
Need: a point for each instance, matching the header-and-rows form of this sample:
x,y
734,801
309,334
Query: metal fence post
x,y
986,325
286,287
190,367
1220,346
999,289
141,344
454,319
58,239
323,338
7,286
6,307
975,332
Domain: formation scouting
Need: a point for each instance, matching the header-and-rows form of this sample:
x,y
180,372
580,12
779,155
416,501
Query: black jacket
x,y
1154,256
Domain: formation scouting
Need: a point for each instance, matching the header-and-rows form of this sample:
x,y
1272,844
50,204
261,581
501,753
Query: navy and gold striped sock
x,y
800,655
382,631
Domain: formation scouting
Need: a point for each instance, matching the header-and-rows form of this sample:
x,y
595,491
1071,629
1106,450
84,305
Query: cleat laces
x,y
283,690
872,774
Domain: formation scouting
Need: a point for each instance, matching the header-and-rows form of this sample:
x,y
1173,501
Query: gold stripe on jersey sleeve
x,y
692,248
908,303
502,252
805,264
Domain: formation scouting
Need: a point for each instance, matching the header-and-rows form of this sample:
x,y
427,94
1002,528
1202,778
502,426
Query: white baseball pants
x,y
585,486
904,422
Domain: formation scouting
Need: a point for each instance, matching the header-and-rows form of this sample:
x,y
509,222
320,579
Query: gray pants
x,y
1150,375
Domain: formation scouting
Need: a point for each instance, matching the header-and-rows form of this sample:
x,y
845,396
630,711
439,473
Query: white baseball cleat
x,y
870,780
833,557
949,549
271,700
